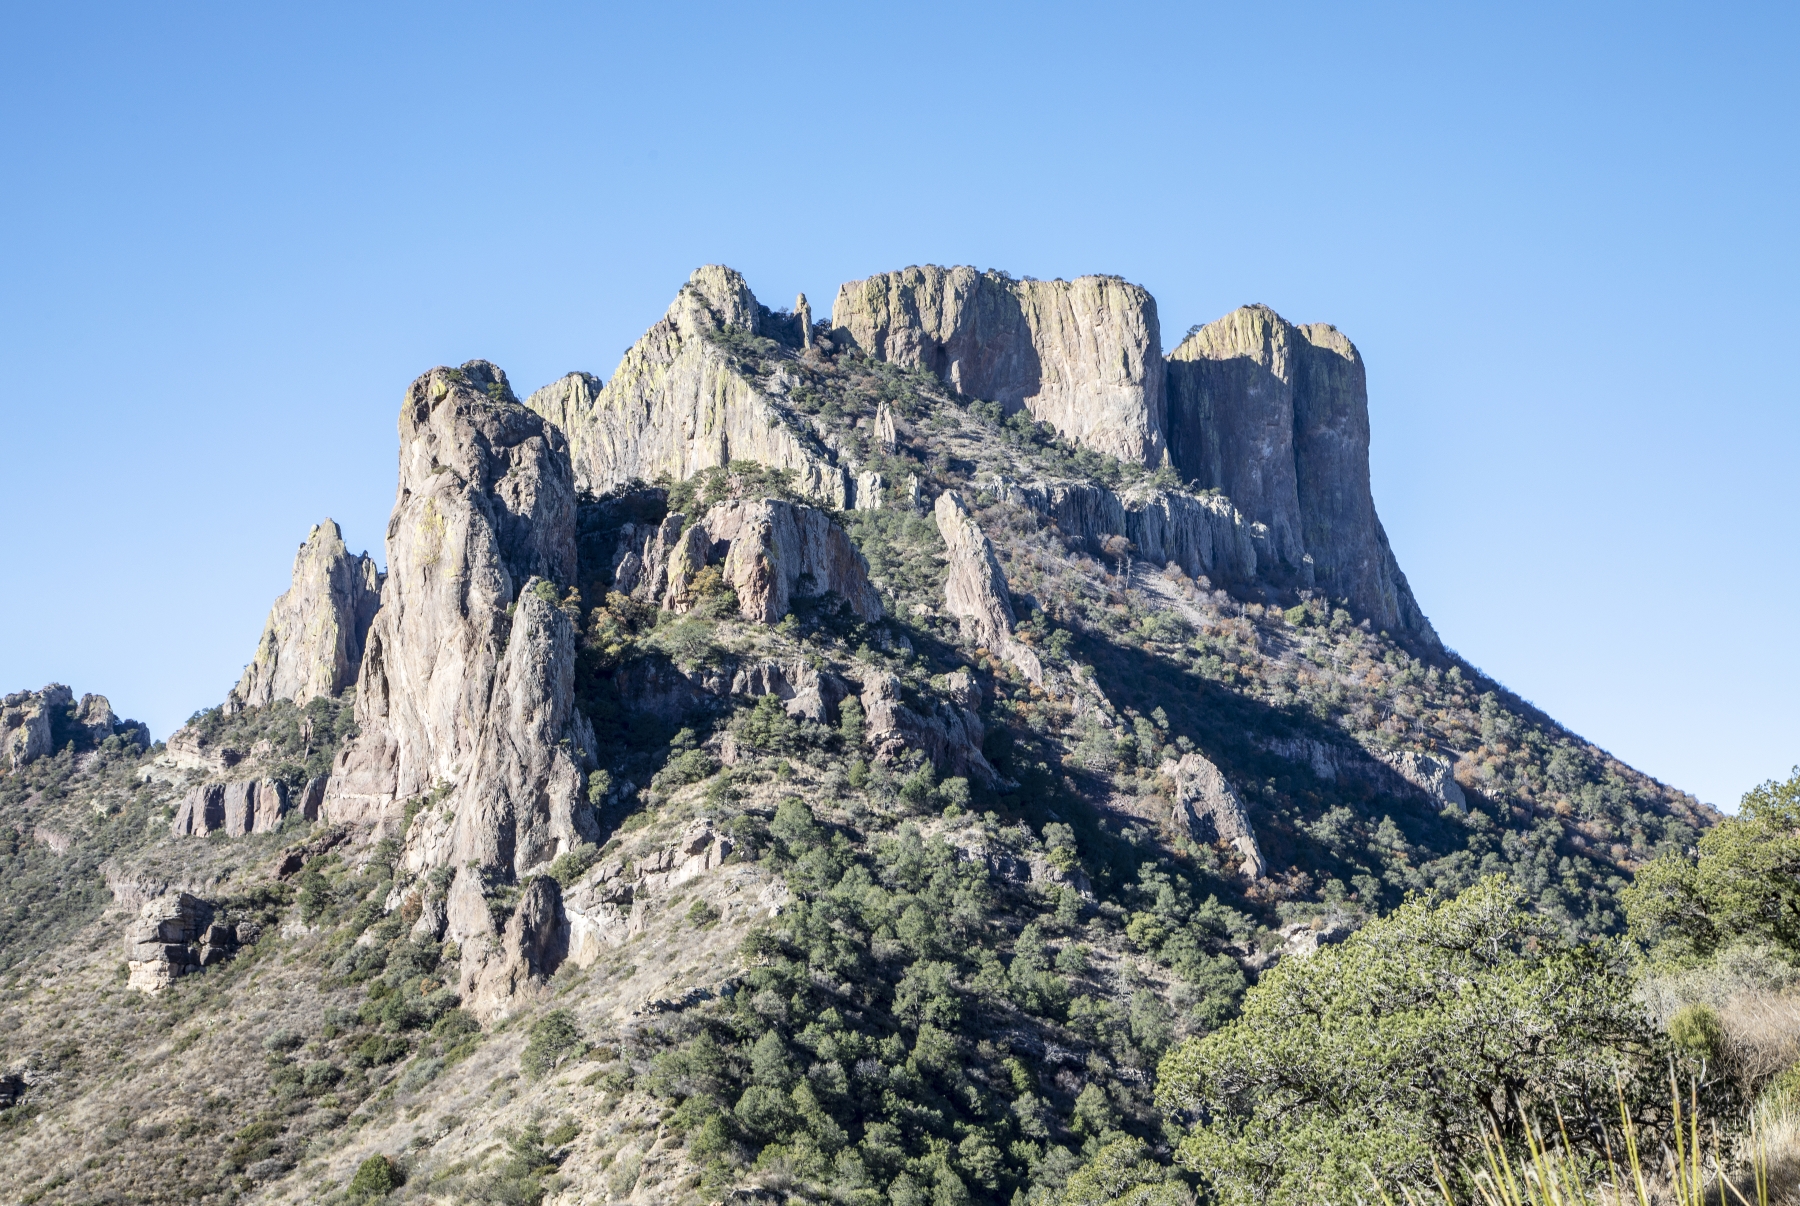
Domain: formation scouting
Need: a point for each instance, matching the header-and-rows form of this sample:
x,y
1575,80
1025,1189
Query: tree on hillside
x,y
1742,885
1408,1041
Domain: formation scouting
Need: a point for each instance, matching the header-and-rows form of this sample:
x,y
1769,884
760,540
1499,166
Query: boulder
x,y
975,591
312,644
805,693
679,403
1208,809
158,942
467,680
1084,356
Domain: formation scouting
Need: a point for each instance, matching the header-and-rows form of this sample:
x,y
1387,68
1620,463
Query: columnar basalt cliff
x,y
467,680
1084,356
312,644
678,402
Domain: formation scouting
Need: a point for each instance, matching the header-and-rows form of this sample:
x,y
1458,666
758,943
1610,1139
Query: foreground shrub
x,y
375,1177
1413,1039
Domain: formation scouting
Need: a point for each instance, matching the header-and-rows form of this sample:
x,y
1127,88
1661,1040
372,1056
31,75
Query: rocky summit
x,y
822,761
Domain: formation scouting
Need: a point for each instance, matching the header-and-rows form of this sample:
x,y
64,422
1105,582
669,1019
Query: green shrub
x,y
375,1177
554,1038
1370,1058
1697,1031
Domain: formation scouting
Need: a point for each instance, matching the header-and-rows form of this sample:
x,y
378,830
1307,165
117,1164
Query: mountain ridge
x,y
776,770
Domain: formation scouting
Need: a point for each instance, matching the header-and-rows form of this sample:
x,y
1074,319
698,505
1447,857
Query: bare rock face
x,y
975,592
1204,534
1084,356
313,642
678,403
1277,417
498,969
25,723
239,808
1207,807
1430,774
950,734
158,945
468,676
805,693
770,551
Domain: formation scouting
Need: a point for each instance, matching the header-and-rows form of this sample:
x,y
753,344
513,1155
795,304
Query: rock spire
x,y
467,688
313,642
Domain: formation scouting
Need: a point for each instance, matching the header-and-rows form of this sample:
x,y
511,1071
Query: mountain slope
x,y
857,811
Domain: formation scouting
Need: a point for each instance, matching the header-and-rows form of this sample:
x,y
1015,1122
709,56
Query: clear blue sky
x,y
1562,235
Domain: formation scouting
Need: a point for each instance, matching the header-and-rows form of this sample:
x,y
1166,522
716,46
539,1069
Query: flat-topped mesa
x,y
312,644
467,679
1276,416
678,403
1084,356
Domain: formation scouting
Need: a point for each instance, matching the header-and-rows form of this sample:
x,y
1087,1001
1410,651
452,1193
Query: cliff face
x,y
1276,417
467,679
313,642
678,403
1084,356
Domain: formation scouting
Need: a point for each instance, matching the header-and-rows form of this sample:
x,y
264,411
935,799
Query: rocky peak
x,y
1084,356
467,678
1276,416
679,402
313,642
25,722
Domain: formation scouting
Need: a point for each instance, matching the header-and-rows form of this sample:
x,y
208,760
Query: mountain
x,y
825,760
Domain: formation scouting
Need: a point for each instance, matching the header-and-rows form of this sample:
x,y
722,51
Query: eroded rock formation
x,y
1276,416
948,733
313,642
1210,810
975,591
25,722
678,402
1084,356
175,934
467,678
238,808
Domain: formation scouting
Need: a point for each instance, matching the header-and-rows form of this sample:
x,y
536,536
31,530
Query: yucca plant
x,y
1554,1176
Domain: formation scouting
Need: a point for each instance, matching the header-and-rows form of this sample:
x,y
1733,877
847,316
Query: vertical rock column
x,y
313,642
467,685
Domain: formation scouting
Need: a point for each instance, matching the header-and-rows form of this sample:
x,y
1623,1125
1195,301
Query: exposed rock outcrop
x,y
497,969
240,808
805,693
678,402
1432,775
313,642
770,551
467,680
1210,810
975,591
1398,771
1202,533
1277,417
605,907
1084,356
25,723
948,733
174,934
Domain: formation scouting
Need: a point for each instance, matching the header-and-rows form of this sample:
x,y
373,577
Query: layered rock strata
x,y
678,403
975,591
312,644
1208,808
175,934
467,683
1276,416
1084,356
